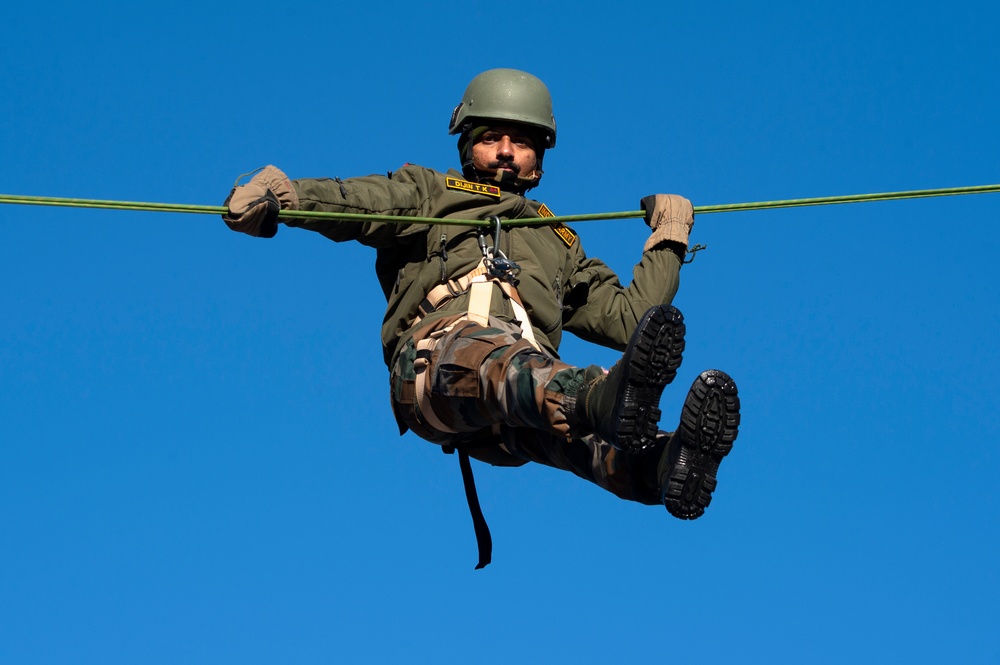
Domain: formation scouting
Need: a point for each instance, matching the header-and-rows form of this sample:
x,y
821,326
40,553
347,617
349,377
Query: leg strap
x,y
421,363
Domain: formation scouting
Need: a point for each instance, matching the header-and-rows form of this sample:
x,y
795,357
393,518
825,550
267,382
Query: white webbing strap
x,y
520,313
425,348
450,289
480,287
481,297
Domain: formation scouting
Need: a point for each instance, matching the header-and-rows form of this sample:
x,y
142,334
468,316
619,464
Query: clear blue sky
x,y
197,459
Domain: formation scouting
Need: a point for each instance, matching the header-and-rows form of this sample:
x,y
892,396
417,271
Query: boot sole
x,y
653,355
709,425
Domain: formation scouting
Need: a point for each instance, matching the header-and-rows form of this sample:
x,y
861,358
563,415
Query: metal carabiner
x,y
482,244
490,252
498,264
497,225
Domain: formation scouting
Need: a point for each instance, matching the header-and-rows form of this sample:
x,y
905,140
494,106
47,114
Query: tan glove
x,y
671,217
253,207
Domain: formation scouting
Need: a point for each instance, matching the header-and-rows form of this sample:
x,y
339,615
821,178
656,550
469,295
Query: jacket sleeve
x,y
406,193
597,308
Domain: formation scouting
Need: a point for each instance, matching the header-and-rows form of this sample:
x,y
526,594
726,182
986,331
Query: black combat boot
x,y
622,406
709,424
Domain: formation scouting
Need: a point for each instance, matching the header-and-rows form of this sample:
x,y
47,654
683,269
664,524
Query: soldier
x,y
475,316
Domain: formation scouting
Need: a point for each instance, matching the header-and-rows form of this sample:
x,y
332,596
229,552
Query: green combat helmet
x,y
498,96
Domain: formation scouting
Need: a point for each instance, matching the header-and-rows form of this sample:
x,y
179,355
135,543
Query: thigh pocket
x,y
457,360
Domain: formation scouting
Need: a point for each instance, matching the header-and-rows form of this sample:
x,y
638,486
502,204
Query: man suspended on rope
x,y
475,315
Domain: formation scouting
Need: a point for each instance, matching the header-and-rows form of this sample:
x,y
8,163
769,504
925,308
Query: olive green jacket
x,y
560,287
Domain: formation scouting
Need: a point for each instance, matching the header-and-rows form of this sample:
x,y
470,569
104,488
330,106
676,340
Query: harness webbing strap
x,y
450,289
479,284
519,313
425,348
484,541
480,297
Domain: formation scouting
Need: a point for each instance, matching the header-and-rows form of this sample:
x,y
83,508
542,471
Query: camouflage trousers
x,y
505,402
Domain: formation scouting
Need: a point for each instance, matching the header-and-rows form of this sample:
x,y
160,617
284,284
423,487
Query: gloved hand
x,y
671,217
253,207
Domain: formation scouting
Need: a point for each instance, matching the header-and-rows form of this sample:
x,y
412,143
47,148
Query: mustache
x,y
506,164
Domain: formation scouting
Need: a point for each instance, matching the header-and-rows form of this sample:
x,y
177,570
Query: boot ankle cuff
x,y
574,403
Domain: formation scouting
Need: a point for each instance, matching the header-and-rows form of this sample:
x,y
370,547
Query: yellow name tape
x,y
473,187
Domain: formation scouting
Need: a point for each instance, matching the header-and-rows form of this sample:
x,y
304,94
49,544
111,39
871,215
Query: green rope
x,y
394,219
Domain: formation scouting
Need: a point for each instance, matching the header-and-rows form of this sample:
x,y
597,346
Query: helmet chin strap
x,y
504,179
509,180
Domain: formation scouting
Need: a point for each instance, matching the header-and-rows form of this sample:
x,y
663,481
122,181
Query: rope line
x,y
395,219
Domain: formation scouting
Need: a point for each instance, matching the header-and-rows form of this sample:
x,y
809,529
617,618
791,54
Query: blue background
x,y
197,458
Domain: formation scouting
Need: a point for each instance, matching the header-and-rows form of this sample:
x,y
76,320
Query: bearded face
x,y
505,148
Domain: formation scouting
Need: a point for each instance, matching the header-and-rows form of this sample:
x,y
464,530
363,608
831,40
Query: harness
x,y
494,270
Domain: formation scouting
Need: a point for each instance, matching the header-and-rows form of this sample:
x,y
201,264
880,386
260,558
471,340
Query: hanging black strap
x,y
483,538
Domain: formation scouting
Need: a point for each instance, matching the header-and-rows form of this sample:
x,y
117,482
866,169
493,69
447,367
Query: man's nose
x,y
505,147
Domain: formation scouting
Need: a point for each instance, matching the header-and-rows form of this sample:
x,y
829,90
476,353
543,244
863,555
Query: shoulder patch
x,y
566,234
472,187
